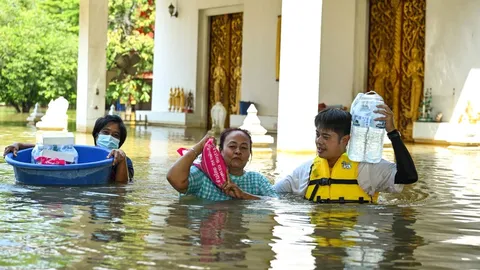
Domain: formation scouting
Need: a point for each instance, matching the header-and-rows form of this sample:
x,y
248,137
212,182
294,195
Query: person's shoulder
x,y
384,161
253,174
307,163
195,169
196,172
381,163
197,177
301,172
304,166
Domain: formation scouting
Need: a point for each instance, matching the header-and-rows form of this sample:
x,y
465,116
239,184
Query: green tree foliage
x,y
130,30
66,11
38,60
39,50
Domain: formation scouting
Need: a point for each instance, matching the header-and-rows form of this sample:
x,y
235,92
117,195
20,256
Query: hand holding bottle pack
x,y
366,135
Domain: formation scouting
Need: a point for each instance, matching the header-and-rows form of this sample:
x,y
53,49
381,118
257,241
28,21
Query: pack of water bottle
x,y
55,148
366,135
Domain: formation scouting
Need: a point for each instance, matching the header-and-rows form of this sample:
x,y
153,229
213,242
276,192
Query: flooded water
x,y
433,224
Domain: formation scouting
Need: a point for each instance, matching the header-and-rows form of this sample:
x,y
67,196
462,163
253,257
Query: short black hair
x,y
227,131
339,121
103,121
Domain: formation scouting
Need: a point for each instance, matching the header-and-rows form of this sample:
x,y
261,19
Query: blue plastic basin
x,y
93,168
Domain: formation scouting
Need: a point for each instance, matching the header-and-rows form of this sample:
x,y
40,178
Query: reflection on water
x,y
432,225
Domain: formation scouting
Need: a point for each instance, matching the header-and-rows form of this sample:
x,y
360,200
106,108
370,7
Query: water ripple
x,y
430,225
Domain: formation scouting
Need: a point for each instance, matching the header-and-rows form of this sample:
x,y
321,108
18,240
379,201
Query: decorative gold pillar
x,y
396,57
397,10
226,35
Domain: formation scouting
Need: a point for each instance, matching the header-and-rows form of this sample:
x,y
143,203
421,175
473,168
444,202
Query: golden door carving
x,y
226,34
396,57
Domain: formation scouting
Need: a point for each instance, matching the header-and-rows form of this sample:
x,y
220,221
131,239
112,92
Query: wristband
x,y
393,134
194,151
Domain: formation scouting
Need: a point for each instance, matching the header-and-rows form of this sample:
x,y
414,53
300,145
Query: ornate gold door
x,y
225,63
396,57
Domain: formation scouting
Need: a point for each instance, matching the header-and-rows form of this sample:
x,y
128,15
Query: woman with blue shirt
x,y
236,148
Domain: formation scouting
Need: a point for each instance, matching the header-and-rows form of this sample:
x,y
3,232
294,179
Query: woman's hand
x,y
178,174
198,148
232,190
118,156
13,148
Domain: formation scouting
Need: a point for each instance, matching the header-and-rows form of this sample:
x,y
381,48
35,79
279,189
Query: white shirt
x,y
378,177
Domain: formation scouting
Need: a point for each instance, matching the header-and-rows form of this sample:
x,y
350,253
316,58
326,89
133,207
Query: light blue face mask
x,y
107,141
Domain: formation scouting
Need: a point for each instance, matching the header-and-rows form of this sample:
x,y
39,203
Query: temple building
x,y
289,56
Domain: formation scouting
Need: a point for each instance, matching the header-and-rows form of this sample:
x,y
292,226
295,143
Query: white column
x,y
299,74
337,53
92,59
360,66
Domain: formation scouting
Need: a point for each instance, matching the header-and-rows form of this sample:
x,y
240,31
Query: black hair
x,y
103,121
339,121
227,131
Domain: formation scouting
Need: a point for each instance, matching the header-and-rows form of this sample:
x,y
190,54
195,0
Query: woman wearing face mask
x,y
110,133
235,147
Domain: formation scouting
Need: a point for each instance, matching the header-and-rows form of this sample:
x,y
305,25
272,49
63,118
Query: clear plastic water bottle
x,y
36,152
375,136
67,152
71,150
366,140
361,117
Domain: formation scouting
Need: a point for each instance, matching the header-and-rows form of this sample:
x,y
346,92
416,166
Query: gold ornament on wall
x,y
219,80
171,100
237,77
396,57
226,35
177,100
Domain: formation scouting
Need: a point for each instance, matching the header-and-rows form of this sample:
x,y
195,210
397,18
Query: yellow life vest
x,y
338,186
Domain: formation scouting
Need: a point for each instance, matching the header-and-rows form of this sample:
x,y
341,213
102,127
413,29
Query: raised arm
x,y
406,171
178,174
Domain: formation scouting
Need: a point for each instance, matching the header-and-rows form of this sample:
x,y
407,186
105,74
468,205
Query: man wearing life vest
x,y
332,177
